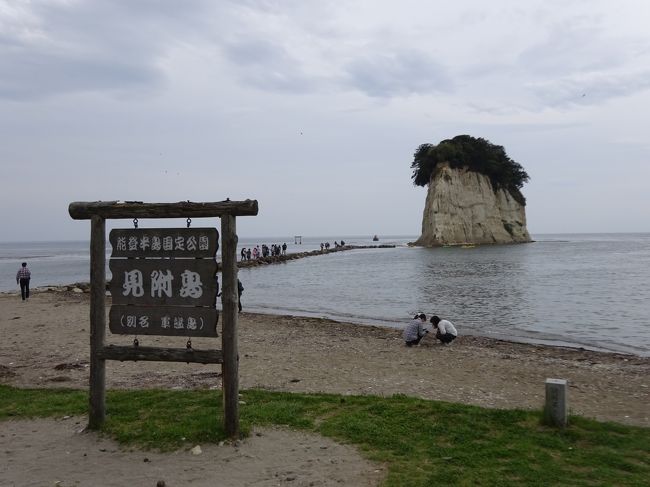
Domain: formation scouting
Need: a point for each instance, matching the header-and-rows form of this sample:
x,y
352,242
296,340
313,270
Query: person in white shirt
x,y
415,331
446,331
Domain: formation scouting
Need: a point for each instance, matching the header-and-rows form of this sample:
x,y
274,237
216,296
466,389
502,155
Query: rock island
x,y
474,195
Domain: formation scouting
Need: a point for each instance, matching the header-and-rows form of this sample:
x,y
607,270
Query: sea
x,y
576,290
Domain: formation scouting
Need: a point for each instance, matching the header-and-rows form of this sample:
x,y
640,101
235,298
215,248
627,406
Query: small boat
x,y
375,238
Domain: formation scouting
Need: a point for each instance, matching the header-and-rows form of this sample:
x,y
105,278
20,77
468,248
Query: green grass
x,y
422,442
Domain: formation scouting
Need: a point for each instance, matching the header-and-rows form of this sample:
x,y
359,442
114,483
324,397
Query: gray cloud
x,y
569,49
398,73
267,66
254,52
58,48
268,6
591,89
34,75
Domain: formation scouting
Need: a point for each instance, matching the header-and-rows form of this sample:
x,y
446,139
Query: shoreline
x,y
546,340
46,345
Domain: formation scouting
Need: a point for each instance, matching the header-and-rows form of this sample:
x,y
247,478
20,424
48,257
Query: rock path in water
x,y
299,255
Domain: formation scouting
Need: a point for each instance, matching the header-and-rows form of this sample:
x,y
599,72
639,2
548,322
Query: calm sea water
x,y
580,290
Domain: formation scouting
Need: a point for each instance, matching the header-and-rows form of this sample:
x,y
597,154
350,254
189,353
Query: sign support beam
x,y
230,300
97,412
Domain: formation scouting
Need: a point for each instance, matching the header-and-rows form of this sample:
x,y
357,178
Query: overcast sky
x,y
315,108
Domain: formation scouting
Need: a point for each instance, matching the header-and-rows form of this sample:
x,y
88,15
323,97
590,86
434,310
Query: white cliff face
x,y
463,208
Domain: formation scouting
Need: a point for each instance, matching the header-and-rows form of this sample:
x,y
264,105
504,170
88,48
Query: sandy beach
x,y
46,345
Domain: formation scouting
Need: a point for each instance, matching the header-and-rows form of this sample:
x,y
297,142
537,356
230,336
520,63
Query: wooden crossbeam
x,y
158,354
85,210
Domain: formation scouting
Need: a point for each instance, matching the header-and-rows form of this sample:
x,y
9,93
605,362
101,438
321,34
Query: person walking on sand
x,y
446,331
415,331
22,277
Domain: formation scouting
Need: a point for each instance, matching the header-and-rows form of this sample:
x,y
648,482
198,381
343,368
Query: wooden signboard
x,y
164,282
170,321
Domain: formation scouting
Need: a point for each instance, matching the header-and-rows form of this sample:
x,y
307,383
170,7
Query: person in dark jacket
x,y
22,277
415,331
240,289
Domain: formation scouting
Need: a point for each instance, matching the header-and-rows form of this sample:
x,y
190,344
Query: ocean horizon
x,y
579,290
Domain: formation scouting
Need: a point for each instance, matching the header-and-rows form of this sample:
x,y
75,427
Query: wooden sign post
x,y
163,284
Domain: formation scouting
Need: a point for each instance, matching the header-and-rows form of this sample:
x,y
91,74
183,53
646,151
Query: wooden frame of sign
x,y
163,284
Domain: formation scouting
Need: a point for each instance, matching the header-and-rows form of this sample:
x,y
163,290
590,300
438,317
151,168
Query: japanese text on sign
x,y
164,242
189,282
156,243
143,320
161,283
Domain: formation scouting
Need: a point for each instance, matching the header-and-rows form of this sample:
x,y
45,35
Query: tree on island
x,y
475,154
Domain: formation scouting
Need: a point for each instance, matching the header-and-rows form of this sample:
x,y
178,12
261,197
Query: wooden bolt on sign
x,y
164,281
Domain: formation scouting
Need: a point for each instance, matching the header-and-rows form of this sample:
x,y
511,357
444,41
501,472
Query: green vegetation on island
x,y
421,442
475,154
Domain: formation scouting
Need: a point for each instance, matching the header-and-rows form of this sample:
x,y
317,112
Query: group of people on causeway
x,y
326,245
416,330
263,251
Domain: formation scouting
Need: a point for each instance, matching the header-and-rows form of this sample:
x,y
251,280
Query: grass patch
x,y
422,442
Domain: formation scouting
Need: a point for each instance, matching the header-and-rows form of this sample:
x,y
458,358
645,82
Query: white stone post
x,y
556,406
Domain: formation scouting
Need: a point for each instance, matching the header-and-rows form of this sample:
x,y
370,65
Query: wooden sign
x,y
153,268
170,321
164,282
164,242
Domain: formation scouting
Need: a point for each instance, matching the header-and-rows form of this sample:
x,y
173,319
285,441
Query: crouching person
x,y
415,331
445,330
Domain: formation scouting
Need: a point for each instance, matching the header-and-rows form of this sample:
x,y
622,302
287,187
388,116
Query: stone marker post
x,y
556,406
